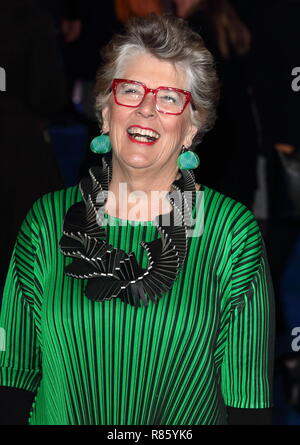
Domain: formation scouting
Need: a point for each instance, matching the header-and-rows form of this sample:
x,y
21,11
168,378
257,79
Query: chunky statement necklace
x,y
111,272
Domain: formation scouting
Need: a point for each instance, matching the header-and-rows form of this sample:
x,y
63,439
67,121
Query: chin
x,y
138,162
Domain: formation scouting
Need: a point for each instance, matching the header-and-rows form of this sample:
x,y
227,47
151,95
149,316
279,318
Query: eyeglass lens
x,y
132,94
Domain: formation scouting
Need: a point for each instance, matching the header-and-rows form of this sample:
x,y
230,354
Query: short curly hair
x,y
168,38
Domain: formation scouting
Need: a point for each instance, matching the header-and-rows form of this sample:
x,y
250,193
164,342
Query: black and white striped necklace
x,y
111,272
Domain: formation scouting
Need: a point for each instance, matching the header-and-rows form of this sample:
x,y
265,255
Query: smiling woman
x,y
127,123
184,50
164,317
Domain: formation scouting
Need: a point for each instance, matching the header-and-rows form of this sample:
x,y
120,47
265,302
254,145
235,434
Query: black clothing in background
x,y
276,47
98,24
238,416
275,54
15,406
34,92
83,57
228,153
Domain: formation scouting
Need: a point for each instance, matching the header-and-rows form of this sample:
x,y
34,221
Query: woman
x,y
160,310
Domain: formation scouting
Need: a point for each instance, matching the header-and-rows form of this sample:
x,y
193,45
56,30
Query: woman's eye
x,y
130,90
169,99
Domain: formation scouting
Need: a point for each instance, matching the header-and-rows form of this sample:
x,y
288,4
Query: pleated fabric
x,y
205,344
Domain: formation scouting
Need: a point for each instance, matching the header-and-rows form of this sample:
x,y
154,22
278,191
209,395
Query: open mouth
x,y
143,135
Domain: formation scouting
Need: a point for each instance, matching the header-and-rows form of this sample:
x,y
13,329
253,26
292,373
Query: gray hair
x,y
167,38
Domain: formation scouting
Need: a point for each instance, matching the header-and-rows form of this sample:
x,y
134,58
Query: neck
x,y
139,194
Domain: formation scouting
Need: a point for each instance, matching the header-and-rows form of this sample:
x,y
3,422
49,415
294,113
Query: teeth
x,y
141,138
142,132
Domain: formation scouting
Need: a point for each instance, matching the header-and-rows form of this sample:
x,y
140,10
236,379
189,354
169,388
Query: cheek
x,y
114,118
119,119
176,129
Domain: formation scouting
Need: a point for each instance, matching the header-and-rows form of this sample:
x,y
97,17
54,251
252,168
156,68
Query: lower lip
x,y
140,142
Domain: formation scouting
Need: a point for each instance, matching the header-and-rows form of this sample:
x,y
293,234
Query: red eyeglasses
x,y
168,100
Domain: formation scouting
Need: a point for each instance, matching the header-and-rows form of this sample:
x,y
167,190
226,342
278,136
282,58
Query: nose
x,y
148,106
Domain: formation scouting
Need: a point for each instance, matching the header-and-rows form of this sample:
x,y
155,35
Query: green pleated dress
x,y
205,344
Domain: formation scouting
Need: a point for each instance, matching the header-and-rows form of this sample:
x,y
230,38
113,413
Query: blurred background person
x,y
229,152
34,92
276,53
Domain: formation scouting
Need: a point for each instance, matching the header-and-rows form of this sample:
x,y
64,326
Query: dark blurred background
x,y
49,55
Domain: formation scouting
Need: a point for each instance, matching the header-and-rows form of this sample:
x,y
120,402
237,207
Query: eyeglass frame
x,y
187,94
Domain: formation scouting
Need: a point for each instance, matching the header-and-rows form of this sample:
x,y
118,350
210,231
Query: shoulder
x,y
227,212
59,200
230,224
48,212
233,233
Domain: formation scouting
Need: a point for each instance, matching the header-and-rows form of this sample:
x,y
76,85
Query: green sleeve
x,y
247,367
20,355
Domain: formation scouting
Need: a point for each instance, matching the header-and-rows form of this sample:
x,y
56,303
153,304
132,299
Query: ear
x,y
105,119
189,136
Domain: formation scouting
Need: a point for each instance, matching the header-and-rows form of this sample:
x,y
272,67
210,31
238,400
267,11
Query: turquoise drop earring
x,y
188,160
101,144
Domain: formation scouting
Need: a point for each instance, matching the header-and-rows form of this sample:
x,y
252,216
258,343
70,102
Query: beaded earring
x,y
188,160
101,144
